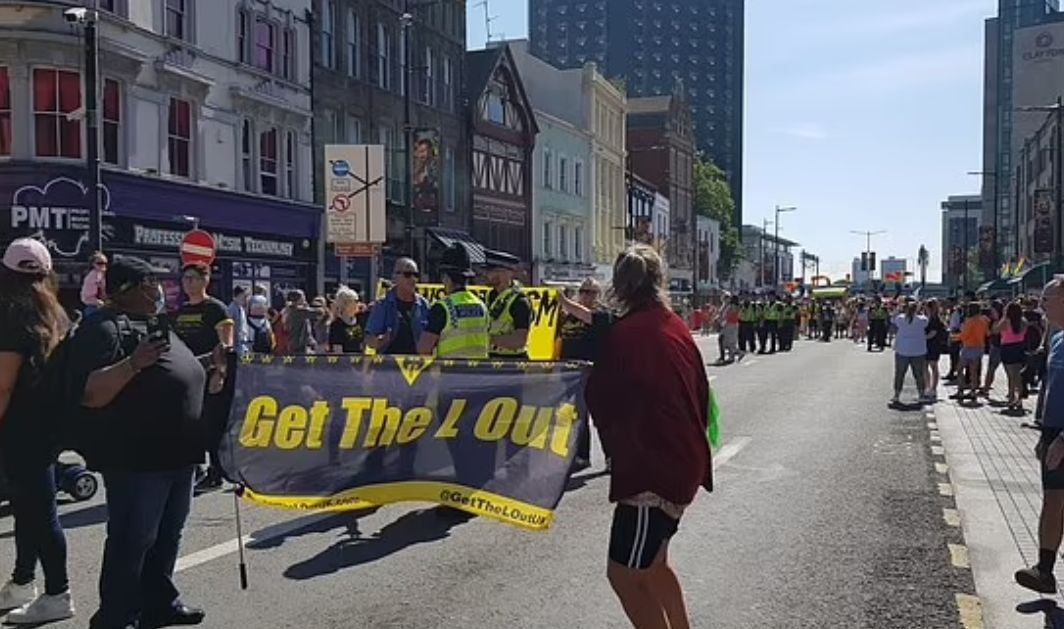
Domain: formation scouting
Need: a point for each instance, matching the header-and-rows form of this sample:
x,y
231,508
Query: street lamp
x,y
776,271
1058,109
868,247
761,266
88,18
994,240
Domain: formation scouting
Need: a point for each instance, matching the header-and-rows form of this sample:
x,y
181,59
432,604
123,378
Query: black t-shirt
x,y
403,343
153,424
197,324
940,341
348,336
437,319
24,434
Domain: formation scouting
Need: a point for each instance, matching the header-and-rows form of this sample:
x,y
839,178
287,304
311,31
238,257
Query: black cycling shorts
x,y
638,533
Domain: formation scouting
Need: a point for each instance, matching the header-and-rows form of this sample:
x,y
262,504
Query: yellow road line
x,y
971,611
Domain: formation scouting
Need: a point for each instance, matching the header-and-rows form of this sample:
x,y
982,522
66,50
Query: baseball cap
x,y
26,255
128,271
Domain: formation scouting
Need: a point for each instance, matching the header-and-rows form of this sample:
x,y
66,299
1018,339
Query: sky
x,y
864,115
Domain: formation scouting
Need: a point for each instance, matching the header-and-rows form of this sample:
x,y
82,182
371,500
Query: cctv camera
x,y
79,15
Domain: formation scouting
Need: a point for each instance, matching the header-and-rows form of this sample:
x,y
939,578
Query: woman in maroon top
x,y
648,393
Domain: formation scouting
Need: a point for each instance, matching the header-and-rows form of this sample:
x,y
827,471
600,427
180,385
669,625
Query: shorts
x,y
1014,354
638,533
1051,479
933,354
972,354
731,337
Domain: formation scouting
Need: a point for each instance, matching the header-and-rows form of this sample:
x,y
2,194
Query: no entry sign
x,y
197,247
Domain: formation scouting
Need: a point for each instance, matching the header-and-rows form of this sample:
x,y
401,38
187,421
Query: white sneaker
x,y
47,608
13,595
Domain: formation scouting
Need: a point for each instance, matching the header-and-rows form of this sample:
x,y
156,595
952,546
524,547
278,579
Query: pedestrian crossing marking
x,y
958,556
938,450
952,517
942,468
945,489
971,611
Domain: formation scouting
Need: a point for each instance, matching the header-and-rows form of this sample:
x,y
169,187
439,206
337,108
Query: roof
x,y
479,66
649,104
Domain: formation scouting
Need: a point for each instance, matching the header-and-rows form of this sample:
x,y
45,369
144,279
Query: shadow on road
x,y
89,516
416,527
275,536
1054,614
578,482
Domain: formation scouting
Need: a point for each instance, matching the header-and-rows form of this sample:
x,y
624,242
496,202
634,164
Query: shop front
x,y
266,242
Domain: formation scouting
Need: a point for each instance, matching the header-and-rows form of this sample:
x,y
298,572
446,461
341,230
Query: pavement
x,y
829,513
991,465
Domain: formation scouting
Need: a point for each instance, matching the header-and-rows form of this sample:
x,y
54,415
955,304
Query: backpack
x,y
261,336
76,427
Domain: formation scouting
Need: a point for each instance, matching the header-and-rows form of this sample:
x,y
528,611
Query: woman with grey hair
x,y
347,331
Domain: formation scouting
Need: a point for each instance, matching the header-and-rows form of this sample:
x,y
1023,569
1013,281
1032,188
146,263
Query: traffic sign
x,y
355,194
197,247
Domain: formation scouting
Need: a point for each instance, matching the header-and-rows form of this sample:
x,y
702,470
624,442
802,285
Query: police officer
x,y
762,326
877,322
509,309
788,314
773,310
747,319
458,323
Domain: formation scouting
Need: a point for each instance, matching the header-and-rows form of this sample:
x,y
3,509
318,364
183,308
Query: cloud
x,y
804,131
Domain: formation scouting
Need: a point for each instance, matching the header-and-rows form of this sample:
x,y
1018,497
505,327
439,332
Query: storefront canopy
x,y
448,237
994,286
1034,277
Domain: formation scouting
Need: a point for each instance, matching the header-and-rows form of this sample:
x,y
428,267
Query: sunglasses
x,y
588,291
407,274
99,264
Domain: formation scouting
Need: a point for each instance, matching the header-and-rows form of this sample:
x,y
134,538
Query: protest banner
x,y
341,432
546,310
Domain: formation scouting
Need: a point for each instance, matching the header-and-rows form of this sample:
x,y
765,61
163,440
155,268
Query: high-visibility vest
x,y
788,313
466,332
502,322
772,312
746,314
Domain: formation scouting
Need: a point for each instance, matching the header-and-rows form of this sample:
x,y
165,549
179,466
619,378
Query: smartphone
x,y
159,329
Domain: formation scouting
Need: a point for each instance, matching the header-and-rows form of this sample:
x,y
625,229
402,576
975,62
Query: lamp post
x,y
1056,108
776,262
994,241
868,248
87,18
761,266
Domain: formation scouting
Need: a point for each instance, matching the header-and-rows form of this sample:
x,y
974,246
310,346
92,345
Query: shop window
x,y
5,113
179,137
112,120
353,60
177,19
56,93
245,157
290,147
268,162
265,34
328,34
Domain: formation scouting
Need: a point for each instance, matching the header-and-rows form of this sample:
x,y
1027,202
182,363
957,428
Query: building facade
x,y
607,105
760,250
639,218
662,225
653,44
708,256
894,267
205,119
859,276
661,149
962,217
503,128
1037,199
364,87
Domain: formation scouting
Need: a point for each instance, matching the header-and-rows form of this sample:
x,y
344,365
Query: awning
x,y
1041,273
448,237
501,258
999,284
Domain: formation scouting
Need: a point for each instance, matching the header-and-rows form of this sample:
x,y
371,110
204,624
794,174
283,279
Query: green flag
x,y
713,425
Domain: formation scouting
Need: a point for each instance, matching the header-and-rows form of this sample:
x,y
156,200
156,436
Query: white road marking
x,y
748,363
729,451
712,378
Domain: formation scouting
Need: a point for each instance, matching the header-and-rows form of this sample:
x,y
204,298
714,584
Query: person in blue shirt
x,y
398,319
1050,450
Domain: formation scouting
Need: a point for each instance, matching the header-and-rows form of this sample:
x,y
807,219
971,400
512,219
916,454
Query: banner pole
x,y
240,539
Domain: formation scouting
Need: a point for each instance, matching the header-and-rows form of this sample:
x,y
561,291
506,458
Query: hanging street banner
x,y
340,432
354,193
546,310
1045,214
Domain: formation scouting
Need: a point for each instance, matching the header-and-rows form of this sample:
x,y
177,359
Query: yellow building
x,y
606,104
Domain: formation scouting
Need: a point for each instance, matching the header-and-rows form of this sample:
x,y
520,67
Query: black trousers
x,y
762,337
773,332
877,333
746,337
954,358
786,334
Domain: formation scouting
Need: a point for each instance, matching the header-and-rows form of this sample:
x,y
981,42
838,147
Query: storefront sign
x,y
225,243
56,213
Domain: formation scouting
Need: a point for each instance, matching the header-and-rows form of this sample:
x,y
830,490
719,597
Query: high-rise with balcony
x,y
652,44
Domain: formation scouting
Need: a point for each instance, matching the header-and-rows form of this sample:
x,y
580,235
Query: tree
x,y
923,259
713,199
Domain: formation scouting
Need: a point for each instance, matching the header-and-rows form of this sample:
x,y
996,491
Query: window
x,y
112,120
177,18
265,34
449,180
578,246
56,93
242,27
5,112
394,157
354,130
403,76
383,47
328,127
268,162
546,240
179,137
328,30
563,174
578,180
290,147
496,109
448,84
430,79
548,170
288,51
245,157
563,242
352,43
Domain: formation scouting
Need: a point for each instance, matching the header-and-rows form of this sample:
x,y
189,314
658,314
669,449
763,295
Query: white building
x,y
205,112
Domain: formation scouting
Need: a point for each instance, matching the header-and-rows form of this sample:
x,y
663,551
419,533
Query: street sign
x,y
354,194
357,249
197,247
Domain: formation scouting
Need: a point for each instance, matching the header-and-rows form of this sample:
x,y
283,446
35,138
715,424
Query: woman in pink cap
x,y
32,323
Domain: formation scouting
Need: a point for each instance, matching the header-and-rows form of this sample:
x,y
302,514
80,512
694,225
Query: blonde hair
x,y
344,297
639,279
